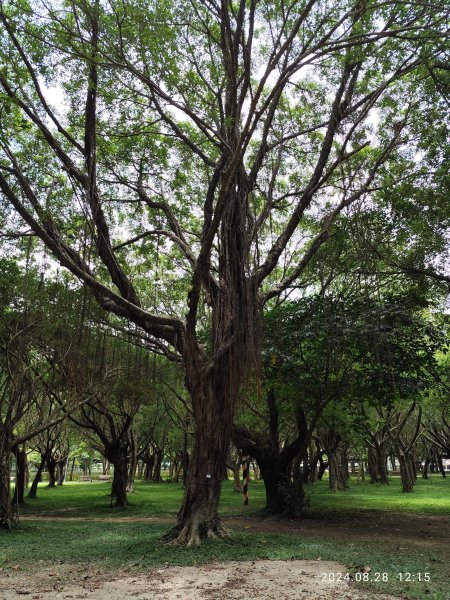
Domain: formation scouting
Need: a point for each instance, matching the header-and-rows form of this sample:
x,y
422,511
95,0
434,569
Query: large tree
x,y
203,137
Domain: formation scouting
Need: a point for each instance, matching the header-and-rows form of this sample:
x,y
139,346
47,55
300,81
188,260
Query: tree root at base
x,y
193,533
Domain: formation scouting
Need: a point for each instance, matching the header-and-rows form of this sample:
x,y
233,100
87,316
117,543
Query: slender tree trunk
x,y
72,467
37,478
440,465
236,468
132,466
323,466
426,467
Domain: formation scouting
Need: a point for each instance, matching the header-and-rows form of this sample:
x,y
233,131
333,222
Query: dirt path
x,y
261,580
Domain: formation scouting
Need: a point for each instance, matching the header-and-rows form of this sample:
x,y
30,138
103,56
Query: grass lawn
x,y
430,496
137,545
157,500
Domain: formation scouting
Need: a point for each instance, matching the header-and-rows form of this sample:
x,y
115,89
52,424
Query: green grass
x,y
137,545
429,497
148,500
156,499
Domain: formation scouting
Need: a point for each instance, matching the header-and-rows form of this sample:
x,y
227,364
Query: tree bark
x,y
198,517
377,461
6,516
72,467
132,464
149,461
283,496
338,468
51,468
440,465
61,470
407,474
37,478
116,455
21,476
158,457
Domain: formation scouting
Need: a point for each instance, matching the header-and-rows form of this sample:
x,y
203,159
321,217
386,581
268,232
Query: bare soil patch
x,y
256,580
393,528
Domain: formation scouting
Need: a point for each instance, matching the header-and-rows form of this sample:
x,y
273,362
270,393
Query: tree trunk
x,y
236,468
116,454
407,472
72,467
323,466
426,467
21,476
149,461
440,465
105,466
37,478
158,457
61,471
51,468
132,466
6,516
198,516
377,462
338,469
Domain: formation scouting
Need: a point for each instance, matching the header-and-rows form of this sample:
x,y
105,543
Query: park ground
x,y
72,544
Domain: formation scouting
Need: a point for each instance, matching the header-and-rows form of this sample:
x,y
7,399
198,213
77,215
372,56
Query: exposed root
x,y
193,532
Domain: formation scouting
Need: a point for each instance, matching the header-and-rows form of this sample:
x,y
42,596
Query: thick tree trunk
x,y
51,468
149,461
338,469
213,414
198,516
156,475
6,516
407,474
377,461
117,456
37,478
61,471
